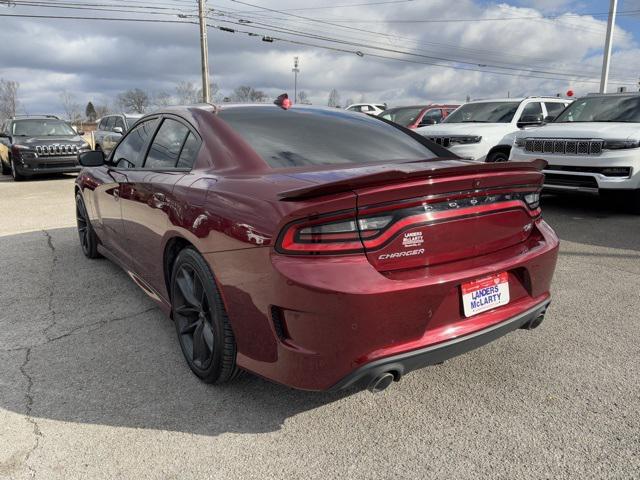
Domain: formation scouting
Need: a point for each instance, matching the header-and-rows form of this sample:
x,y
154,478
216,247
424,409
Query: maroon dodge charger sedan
x,y
315,247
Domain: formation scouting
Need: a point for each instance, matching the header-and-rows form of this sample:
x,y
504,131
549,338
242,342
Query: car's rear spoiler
x,y
350,179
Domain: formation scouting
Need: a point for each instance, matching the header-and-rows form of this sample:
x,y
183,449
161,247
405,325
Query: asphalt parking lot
x,y
93,384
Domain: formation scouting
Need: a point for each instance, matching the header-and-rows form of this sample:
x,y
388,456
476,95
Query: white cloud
x,y
96,60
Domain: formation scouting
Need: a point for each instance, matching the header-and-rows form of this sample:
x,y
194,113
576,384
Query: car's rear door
x,y
147,195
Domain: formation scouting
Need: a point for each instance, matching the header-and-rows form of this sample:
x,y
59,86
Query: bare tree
x,y
188,93
163,99
303,98
8,98
334,98
102,110
244,93
72,109
134,100
349,101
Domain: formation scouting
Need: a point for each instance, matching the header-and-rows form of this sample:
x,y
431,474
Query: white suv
x,y
370,108
483,130
593,146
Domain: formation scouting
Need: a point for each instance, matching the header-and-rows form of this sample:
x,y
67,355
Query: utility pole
x,y
295,71
604,80
204,50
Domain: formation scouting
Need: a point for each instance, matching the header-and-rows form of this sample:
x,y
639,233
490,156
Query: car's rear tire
x,y
88,237
498,156
201,321
17,177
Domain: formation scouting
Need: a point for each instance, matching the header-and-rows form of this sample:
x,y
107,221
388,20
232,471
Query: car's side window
x,y
554,108
435,114
101,124
533,108
167,145
119,123
129,152
110,123
189,152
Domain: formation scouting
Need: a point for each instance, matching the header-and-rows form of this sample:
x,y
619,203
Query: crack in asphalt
x,y
73,331
51,288
28,411
88,328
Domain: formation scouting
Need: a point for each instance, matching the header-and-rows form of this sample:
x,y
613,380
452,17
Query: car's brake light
x,y
330,235
375,226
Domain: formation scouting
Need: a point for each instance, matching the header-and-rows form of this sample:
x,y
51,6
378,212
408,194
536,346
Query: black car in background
x,y
35,145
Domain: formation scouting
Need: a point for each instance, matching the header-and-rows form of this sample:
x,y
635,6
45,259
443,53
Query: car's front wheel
x,y
17,177
201,321
88,238
498,156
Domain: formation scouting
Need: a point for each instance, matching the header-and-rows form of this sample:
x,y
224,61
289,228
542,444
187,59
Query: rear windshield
x,y
602,109
306,136
484,112
402,116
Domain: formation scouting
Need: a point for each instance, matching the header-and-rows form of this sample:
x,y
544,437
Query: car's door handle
x,y
116,194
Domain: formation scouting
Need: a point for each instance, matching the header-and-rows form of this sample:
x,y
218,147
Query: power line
x,y
371,45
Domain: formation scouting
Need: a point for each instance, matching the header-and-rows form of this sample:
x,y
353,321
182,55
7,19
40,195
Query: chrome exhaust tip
x,y
381,382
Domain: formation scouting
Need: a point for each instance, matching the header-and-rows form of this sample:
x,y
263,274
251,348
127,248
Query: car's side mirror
x,y
529,120
92,158
118,130
81,132
549,118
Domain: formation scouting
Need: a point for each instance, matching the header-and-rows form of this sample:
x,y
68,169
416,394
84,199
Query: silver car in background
x,y
111,128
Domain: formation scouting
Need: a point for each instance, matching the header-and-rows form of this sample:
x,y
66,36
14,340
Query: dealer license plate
x,y
485,294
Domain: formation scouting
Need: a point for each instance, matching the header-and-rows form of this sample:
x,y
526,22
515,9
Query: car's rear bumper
x,y
310,322
403,363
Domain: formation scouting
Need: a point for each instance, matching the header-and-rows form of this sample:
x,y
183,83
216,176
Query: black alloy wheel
x,y
202,325
88,238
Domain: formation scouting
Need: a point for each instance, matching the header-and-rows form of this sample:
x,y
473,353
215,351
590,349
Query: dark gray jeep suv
x,y
33,145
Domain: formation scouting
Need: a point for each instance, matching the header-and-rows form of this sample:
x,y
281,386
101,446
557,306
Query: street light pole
x,y
295,71
204,50
604,80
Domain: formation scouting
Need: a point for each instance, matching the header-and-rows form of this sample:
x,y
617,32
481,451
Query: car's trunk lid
x,y
466,213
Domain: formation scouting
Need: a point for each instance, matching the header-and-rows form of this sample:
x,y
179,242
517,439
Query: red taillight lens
x,y
348,233
321,236
331,235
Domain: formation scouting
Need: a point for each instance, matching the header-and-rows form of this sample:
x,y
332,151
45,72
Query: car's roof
x,y
520,99
36,117
621,94
364,103
428,105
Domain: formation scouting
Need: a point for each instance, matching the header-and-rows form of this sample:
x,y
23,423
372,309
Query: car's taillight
x,y
333,234
374,226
